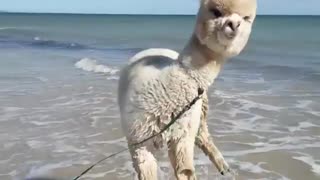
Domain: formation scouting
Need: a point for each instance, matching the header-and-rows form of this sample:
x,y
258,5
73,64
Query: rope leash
x,y
173,120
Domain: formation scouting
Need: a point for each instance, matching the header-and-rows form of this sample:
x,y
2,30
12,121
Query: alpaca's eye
x,y
216,12
246,18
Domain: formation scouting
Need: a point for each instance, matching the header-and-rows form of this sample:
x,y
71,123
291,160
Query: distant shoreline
x,y
97,14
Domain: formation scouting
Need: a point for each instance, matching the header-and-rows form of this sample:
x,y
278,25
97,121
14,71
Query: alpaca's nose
x,y
231,28
233,25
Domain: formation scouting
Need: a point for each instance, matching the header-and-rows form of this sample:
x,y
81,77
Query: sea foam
x,y
91,65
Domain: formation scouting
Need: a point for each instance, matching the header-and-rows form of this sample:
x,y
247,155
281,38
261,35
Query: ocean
x,y
58,87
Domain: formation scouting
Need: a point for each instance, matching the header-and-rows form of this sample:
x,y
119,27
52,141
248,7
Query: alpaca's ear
x,y
203,1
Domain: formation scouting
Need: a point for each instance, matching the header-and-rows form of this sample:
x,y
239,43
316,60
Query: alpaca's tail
x,y
154,52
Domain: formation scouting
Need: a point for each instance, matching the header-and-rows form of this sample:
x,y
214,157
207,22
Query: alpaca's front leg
x,y
182,141
205,143
181,153
144,163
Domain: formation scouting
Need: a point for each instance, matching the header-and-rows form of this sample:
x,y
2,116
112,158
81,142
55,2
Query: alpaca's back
x,y
144,67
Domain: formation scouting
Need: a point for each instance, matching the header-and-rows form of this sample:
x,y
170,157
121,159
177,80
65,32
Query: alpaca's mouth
x,y
226,38
230,35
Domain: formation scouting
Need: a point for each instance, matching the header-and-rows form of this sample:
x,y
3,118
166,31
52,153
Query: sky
x,y
307,7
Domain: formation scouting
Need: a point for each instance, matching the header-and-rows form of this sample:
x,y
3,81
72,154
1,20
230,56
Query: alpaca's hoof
x,y
222,165
225,172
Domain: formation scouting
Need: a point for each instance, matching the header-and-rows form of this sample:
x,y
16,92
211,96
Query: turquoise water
x,y
56,117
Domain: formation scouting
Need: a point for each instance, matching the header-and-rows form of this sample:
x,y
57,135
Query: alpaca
x,y
159,83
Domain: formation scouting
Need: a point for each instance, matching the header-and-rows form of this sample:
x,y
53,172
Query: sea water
x,y
58,88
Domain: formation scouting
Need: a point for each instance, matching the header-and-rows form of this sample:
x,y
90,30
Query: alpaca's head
x,y
224,26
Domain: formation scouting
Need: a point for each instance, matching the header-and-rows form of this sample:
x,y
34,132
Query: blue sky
x,y
149,6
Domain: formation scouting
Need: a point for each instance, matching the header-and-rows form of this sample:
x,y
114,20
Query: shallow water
x,y
58,110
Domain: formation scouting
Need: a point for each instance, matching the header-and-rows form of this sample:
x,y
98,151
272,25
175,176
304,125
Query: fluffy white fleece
x,y
159,83
151,88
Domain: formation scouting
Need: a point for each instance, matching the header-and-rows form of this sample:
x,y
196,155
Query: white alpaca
x,y
158,83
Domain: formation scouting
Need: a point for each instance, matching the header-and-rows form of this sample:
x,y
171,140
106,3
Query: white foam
x,y
277,147
98,175
37,38
62,147
42,79
303,104
45,170
310,161
11,109
34,144
7,28
301,126
38,123
115,141
254,168
91,65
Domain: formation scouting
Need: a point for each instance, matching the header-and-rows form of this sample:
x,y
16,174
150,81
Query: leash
x,y
173,120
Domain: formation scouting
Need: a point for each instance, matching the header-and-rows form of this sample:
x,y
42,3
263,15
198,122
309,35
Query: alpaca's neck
x,y
200,62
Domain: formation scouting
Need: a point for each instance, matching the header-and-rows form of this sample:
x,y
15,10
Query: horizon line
x,y
137,14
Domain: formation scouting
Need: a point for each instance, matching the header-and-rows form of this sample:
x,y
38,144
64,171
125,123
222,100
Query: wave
x,y
56,44
29,36
7,28
33,37
91,65
15,29
309,160
38,43
14,32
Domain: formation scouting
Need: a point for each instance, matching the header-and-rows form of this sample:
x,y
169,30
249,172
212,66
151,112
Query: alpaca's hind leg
x,y
144,163
181,154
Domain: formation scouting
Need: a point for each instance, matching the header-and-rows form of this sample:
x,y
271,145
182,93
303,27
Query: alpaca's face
x,y
224,26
